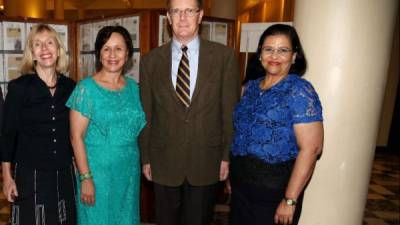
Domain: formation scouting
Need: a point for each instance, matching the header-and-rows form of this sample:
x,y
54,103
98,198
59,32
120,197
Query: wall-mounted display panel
x,y
87,37
13,37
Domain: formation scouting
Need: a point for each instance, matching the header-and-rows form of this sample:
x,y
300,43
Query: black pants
x,y
185,204
256,205
44,197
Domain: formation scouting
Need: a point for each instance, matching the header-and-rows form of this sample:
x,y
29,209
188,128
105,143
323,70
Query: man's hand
x,y
146,170
224,170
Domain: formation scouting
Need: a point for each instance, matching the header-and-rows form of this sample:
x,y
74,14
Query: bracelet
x,y
85,176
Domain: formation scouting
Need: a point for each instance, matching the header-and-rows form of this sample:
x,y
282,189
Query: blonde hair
x,y
28,64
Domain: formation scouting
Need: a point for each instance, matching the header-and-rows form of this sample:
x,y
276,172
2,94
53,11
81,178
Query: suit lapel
x,y
204,68
165,70
166,78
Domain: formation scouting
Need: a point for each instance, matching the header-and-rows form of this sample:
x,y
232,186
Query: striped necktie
x,y
183,79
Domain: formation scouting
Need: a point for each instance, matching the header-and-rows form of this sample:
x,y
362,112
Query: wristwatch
x,y
290,201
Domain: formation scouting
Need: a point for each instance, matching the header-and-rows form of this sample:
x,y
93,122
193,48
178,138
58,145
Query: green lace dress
x,y
115,121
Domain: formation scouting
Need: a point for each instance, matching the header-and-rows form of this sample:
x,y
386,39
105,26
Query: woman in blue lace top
x,y
279,135
106,119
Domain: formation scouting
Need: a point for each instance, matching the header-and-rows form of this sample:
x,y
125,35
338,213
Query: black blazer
x,y
35,130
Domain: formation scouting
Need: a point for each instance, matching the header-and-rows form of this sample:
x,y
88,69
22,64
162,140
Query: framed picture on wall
x,y
134,71
13,36
28,27
86,39
12,66
132,25
62,31
163,30
87,65
95,29
114,22
2,74
220,32
1,36
206,30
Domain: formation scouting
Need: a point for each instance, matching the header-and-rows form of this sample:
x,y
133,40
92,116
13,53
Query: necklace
x,y
54,86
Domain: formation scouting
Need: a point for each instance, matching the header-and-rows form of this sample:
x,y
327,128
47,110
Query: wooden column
x,y
59,9
224,9
11,8
81,13
33,8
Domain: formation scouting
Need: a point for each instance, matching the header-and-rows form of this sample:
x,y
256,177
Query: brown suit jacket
x,y
182,143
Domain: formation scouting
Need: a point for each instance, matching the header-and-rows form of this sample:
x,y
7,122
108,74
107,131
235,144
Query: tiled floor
x,y
383,205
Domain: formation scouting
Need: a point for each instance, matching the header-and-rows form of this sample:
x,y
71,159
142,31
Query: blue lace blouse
x,y
264,119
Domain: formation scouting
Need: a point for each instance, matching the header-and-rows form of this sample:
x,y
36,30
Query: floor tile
x,y
375,221
375,197
396,202
387,215
380,189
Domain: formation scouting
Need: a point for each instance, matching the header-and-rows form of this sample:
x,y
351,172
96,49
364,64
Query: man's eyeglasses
x,y
283,52
187,12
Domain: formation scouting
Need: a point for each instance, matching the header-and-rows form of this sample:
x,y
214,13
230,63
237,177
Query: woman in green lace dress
x,y
106,119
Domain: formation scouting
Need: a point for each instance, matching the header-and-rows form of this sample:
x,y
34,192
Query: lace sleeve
x,y
141,117
305,104
81,101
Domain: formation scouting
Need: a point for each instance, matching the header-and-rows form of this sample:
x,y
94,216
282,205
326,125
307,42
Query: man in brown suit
x,y
189,88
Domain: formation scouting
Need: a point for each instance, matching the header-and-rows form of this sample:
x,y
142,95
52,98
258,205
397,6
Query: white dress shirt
x,y
193,54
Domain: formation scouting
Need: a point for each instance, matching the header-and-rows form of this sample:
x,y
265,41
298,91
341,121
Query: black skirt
x,y
257,190
256,205
44,197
